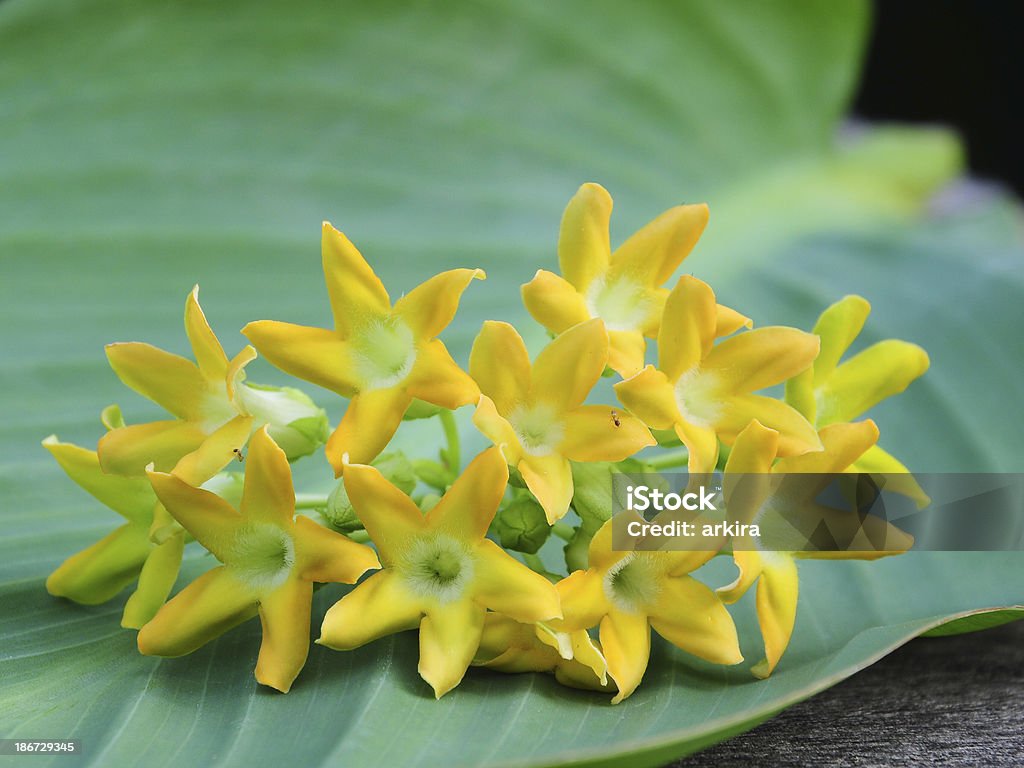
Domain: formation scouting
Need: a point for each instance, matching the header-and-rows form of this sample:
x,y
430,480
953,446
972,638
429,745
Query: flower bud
x,y
522,525
294,421
397,470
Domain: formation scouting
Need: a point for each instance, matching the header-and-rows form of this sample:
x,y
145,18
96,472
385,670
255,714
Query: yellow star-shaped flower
x,y
270,560
704,390
623,288
379,356
215,409
440,574
630,593
536,413
751,460
830,392
99,572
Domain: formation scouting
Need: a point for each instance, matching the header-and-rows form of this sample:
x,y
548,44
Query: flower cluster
x,y
429,530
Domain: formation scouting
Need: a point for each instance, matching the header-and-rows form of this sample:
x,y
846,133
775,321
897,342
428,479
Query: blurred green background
x,y
145,147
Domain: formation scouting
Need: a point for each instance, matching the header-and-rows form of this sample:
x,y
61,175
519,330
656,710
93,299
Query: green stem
x,y
310,501
452,454
361,536
564,531
669,460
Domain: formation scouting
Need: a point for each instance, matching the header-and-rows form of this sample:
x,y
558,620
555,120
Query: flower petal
x,y
469,506
842,444
800,394
568,368
897,477
430,307
379,606
235,373
626,643
601,433
651,397
284,614
355,291
500,364
880,371
761,358
754,450
553,302
504,584
702,444
268,495
389,516
209,354
657,249
130,497
600,554
129,450
748,562
323,556
168,380
796,435
583,247
549,478
728,321
687,327
449,637
156,580
693,618
212,521
497,429
99,572
436,378
204,610
583,601
838,326
311,354
369,423
777,591
216,451
626,352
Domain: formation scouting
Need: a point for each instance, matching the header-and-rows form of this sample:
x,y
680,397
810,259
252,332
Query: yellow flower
x,y
270,561
440,574
536,413
832,392
775,571
703,390
98,573
215,409
624,288
379,356
512,647
630,593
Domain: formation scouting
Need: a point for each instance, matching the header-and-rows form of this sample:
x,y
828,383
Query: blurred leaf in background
x,y
146,147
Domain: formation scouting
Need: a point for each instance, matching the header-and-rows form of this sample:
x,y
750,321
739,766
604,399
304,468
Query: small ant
x,y
238,454
615,419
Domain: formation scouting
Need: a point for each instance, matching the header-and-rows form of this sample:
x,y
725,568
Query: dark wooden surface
x,y
935,701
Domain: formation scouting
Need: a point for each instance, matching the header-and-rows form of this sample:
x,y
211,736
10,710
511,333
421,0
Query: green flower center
x,y
438,567
632,583
621,303
383,353
262,556
538,427
699,397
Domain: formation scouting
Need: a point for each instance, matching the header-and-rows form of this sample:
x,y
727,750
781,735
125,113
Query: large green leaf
x,y
147,147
